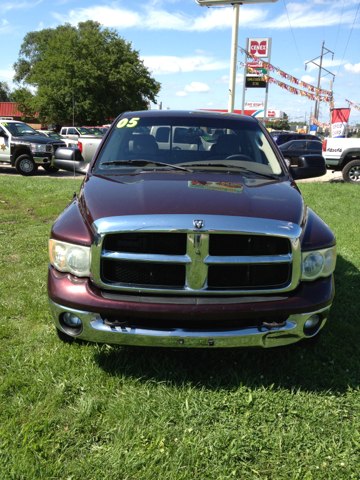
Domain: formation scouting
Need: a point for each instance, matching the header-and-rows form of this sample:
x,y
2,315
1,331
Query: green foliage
x,y
103,412
23,99
101,70
5,92
280,125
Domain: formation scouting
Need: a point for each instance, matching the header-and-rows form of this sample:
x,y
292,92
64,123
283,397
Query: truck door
x,y
4,146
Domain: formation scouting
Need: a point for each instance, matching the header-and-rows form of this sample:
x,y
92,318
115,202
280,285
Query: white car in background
x,y
48,133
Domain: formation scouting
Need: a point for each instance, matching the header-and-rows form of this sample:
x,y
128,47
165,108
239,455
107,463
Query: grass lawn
x,y
104,412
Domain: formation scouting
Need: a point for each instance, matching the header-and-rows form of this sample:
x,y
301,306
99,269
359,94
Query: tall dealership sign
x,y
261,48
234,39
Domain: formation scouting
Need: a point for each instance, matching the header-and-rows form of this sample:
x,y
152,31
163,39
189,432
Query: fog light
x,y
312,325
72,320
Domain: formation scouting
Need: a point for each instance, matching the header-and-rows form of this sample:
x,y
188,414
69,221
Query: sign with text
x,y
255,82
252,105
259,47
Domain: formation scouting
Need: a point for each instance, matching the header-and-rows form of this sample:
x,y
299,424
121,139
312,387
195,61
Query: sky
x,y
187,47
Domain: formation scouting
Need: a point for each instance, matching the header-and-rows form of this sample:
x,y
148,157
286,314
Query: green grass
x,y
104,412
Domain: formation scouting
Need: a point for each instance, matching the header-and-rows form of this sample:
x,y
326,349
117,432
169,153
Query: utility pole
x,y
331,107
317,104
234,48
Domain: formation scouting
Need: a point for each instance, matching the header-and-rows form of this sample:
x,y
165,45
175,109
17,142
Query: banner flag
x,y
313,129
340,118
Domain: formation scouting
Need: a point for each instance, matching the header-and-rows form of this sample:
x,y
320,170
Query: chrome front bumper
x,y
44,160
95,330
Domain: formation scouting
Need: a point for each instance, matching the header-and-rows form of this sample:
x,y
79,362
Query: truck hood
x,y
197,194
35,139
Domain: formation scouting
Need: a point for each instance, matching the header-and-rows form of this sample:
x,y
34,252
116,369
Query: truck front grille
x,y
132,256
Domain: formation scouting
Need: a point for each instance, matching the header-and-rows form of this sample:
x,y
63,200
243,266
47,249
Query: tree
x,y
91,64
5,92
280,125
23,99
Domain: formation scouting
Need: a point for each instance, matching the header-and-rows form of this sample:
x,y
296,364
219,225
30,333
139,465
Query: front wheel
x,y
25,165
50,169
351,172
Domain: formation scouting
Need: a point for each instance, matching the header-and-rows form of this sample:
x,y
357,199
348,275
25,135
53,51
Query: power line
x,y
337,35
292,32
349,38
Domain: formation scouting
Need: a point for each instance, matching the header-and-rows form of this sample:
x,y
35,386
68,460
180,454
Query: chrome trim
x,y
197,259
95,330
42,160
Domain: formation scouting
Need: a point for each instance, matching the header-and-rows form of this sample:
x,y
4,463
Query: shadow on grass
x,y
333,364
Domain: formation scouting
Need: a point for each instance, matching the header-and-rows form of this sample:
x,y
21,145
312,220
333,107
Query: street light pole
x,y
234,49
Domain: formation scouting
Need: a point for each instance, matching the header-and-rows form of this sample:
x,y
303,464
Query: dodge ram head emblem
x,y
199,224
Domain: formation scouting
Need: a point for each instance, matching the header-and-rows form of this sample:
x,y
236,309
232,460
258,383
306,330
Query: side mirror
x,y
3,134
309,166
70,159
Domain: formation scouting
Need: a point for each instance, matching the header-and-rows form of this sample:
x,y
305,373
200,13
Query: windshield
x,y
204,143
54,135
93,130
84,131
19,129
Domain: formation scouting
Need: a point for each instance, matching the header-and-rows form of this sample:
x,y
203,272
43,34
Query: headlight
x,y
318,263
38,147
67,257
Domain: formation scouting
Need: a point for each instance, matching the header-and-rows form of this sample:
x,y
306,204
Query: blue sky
x,y
188,47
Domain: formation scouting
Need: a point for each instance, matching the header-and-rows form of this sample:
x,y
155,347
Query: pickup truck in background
x,y
23,148
343,154
75,133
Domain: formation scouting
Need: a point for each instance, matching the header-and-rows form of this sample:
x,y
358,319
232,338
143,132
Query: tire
x,y
351,172
25,165
50,169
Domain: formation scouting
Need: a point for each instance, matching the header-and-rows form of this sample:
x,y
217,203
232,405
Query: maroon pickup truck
x,y
190,231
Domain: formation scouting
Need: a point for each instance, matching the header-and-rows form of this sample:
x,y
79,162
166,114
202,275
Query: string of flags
x,y
319,124
282,74
353,104
289,88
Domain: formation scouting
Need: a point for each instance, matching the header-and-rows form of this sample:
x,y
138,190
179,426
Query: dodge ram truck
x,y
171,246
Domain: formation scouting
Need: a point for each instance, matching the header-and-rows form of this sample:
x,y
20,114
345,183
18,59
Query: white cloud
x,y
209,104
307,79
4,22
160,65
6,75
352,68
181,94
226,79
153,16
197,87
5,7
160,19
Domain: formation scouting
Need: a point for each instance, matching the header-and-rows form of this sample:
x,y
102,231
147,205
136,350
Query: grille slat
x,y
250,245
248,276
155,243
144,274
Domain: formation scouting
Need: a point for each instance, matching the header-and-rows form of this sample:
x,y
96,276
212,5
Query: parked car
x,y
56,136
287,137
74,133
94,130
295,149
190,247
23,148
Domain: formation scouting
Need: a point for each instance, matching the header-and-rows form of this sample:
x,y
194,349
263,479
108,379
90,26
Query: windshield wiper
x,y
143,163
232,166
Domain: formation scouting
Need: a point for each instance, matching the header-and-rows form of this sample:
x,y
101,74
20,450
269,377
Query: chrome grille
x,y
229,255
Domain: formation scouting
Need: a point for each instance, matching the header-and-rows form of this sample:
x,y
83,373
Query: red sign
x,y
271,113
258,46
